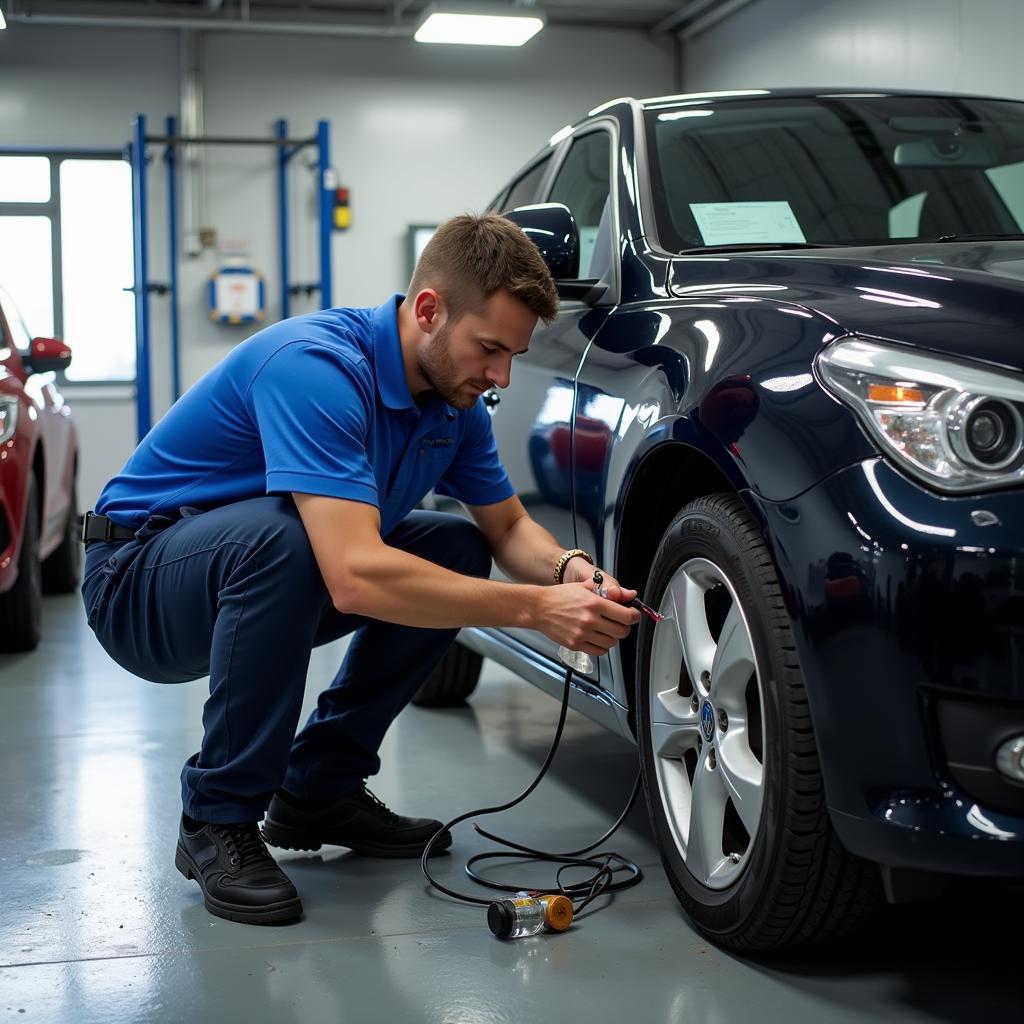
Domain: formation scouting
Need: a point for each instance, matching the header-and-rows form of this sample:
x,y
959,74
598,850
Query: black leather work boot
x,y
239,878
359,821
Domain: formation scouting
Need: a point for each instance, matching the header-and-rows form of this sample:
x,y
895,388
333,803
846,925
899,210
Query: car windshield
x,y
835,170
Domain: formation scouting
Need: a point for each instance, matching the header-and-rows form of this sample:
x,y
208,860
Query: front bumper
x,y
909,620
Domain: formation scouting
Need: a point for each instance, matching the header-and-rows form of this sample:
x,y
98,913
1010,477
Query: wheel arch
x,y
669,477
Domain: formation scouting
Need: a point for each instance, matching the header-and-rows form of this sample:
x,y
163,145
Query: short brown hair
x,y
470,258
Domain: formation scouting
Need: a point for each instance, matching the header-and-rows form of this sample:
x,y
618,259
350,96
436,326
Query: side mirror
x,y
552,228
46,355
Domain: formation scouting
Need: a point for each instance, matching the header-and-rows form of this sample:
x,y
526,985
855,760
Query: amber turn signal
x,y
894,393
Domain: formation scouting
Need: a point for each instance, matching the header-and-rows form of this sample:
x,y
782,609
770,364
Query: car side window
x,y
524,191
583,184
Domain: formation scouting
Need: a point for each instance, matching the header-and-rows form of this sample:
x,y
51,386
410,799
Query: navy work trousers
x,y
235,593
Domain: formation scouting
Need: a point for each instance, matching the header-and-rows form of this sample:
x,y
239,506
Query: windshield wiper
x,y
760,247
986,237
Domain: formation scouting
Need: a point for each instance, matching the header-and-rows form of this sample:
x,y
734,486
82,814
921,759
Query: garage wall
x,y
940,45
418,134
68,87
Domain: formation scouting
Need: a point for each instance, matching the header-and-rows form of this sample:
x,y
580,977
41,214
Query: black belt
x,y
96,527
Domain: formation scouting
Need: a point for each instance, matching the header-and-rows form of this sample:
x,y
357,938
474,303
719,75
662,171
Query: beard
x,y
439,370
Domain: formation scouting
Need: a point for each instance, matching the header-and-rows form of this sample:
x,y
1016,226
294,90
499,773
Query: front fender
x,y
733,380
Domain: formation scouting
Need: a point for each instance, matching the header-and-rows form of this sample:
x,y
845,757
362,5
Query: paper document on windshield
x,y
726,223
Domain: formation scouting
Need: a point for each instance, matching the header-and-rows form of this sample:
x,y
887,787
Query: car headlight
x,y
8,417
956,425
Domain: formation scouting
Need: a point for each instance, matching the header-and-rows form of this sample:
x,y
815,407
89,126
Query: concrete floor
x,y
98,926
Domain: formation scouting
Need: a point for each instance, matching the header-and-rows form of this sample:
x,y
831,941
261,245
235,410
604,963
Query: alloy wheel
x,y
706,723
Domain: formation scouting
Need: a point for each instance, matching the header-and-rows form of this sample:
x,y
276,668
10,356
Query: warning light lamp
x,y
342,210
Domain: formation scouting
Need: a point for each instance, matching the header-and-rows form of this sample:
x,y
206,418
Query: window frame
x,y
610,129
584,132
51,210
548,155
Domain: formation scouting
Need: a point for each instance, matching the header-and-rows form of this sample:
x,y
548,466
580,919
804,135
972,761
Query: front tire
x,y
21,608
730,766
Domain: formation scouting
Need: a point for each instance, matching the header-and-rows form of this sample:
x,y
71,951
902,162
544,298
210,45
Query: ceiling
x,y
363,17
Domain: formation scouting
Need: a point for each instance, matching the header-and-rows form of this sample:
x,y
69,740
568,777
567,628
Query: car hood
x,y
963,299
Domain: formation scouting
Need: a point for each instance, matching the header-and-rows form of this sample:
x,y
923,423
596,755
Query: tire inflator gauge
x,y
580,661
530,911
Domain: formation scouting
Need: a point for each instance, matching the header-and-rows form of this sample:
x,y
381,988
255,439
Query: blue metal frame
x,y
143,405
326,212
137,153
170,158
283,156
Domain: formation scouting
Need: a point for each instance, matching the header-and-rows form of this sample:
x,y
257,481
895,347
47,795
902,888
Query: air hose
x,y
534,909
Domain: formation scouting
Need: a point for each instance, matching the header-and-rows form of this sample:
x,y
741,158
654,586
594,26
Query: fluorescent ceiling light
x,y
478,29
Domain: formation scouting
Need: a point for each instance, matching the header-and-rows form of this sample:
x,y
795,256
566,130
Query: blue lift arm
x,y
287,148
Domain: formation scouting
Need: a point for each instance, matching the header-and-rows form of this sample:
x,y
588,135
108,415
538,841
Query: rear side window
x,y
524,191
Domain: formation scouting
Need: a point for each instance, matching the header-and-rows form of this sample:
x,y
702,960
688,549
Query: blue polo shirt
x,y
317,404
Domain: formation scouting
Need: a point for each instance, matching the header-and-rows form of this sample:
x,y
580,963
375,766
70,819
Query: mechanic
x,y
271,510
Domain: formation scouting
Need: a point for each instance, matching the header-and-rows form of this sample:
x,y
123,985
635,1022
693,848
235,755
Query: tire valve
x,y
648,610
528,914
635,603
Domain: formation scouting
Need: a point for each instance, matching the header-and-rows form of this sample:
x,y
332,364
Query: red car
x,y
39,545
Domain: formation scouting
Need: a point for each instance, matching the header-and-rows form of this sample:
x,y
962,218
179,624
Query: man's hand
x,y
573,615
579,570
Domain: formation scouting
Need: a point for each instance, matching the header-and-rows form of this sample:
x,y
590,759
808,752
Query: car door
x,y
533,419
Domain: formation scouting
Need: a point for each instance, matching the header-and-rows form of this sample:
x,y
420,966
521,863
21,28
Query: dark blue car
x,y
784,399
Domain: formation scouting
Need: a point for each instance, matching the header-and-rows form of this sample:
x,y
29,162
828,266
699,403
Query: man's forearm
x,y
369,578
528,552
392,585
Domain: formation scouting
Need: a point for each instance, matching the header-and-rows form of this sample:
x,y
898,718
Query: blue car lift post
x,y
286,149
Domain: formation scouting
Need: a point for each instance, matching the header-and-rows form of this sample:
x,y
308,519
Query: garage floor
x,y
98,926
